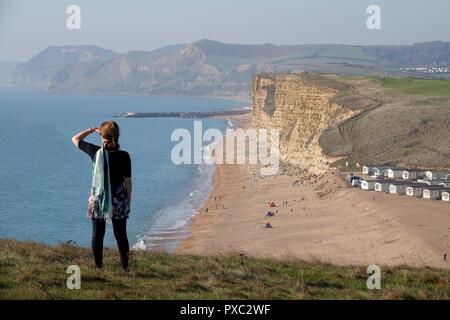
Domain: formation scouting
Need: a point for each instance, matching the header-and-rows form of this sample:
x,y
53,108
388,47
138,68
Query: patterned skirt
x,y
121,206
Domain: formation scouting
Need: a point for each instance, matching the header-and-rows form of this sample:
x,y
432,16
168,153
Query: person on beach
x,y
110,196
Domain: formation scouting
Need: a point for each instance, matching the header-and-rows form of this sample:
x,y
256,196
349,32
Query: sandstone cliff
x,y
301,110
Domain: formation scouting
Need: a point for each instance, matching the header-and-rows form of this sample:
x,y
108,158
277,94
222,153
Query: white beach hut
x,y
381,171
412,174
378,172
367,170
434,192
430,175
399,187
416,190
368,184
436,175
383,185
394,173
445,196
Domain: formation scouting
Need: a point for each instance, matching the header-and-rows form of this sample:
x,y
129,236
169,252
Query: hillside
x,y
35,271
428,53
210,67
48,67
408,126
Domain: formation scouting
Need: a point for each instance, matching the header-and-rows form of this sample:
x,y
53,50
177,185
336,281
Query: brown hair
x,y
110,132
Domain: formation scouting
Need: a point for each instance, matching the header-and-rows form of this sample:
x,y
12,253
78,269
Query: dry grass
x,y
35,271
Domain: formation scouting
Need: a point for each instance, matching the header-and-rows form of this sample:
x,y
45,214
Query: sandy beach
x,y
324,220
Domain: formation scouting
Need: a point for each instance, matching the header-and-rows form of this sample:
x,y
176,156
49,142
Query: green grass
x,y
429,87
35,271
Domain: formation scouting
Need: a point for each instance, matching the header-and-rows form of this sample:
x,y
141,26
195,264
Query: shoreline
x,y
325,221
169,240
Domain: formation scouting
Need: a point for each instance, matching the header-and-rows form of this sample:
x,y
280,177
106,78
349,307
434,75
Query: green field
x,y
429,87
35,271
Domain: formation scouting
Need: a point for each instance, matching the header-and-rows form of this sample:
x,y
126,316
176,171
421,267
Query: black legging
x,y
120,232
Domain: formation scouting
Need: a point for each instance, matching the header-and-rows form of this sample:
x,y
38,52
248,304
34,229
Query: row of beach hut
x,y
394,172
434,185
409,188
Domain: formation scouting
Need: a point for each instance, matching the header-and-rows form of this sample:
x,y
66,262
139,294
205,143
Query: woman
x,y
110,196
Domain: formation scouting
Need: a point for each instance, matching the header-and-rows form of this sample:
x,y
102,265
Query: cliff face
x,y
301,111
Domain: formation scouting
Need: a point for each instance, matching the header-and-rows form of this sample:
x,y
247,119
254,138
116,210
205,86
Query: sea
x,y
45,180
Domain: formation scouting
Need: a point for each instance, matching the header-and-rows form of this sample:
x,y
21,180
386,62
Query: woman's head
x,y
110,132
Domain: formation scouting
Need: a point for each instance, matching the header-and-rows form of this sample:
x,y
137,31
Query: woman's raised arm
x,y
81,135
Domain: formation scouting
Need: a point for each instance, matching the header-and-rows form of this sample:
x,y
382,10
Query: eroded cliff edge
x,y
301,108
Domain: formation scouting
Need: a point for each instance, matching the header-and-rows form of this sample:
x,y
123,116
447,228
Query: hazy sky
x,y
27,27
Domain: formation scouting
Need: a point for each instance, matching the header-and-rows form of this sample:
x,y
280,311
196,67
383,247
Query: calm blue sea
x,y
45,180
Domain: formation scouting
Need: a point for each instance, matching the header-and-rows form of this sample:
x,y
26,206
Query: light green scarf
x,y
101,187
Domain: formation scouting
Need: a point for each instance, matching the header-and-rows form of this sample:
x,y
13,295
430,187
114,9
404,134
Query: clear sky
x,y
27,27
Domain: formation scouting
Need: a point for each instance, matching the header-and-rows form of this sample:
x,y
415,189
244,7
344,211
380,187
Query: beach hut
x,y
436,175
380,171
434,192
399,187
412,174
383,185
394,173
367,170
430,175
445,196
368,184
416,190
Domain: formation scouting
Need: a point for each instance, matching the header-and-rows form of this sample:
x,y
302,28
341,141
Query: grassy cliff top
x,y
36,271
428,87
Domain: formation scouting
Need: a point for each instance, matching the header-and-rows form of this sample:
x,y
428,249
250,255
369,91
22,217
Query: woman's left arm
x,y
129,188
